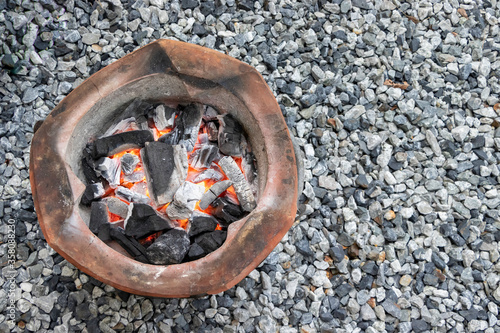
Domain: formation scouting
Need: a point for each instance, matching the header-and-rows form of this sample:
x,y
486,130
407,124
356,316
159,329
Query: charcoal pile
x,y
165,185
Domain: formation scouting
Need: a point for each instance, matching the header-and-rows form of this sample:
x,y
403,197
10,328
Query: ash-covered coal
x,y
167,183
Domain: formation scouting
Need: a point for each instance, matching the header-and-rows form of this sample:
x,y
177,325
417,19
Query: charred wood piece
x,y
129,244
210,113
122,126
207,174
226,212
201,223
164,117
88,165
116,206
109,168
92,192
166,168
211,241
240,184
110,145
131,196
212,131
230,136
170,248
135,177
203,157
143,220
129,163
99,220
195,252
142,123
187,127
214,191
185,200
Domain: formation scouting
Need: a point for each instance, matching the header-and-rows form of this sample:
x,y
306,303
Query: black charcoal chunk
x,y
226,212
169,248
114,144
143,220
195,252
129,244
129,163
91,193
240,184
214,191
166,168
230,135
99,219
201,223
88,166
211,241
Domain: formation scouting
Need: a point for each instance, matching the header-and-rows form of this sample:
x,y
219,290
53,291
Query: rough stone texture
x,y
326,63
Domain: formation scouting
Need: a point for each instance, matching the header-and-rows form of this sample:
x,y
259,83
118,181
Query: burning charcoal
x,y
187,127
248,166
240,184
143,220
135,177
122,126
230,135
164,117
98,216
185,201
131,196
212,131
142,123
99,220
195,252
92,192
110,170
88,166
129,163
207,174
225,212
190,118
211,241
129,244
203,157
116,206
214,191
166,169
111,145
141,188
169,248
210,113
171,138
201,223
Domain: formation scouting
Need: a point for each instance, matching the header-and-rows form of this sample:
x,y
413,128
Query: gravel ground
x,y
396,106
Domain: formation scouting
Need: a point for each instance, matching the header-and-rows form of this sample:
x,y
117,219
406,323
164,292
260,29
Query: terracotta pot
x,y
173,72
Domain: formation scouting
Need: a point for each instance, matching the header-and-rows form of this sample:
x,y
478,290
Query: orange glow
x,y
141,185
136,152
183,223
150,239
162,132
114,217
